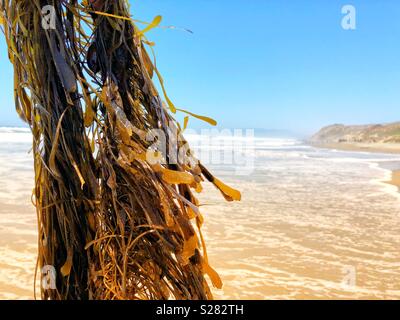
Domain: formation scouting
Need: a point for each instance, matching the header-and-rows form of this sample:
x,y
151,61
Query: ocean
x,y
312,223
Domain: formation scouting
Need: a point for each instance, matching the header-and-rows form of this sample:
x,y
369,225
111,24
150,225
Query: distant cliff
x,y
375,133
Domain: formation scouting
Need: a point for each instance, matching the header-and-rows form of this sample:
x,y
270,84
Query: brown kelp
x,y
117,215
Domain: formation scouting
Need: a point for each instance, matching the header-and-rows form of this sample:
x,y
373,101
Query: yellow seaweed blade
x,y
147,63
78,172
100,13
185,122
214,276
149,43
93,145
191,213
189,248
229,193
168,215
203,118
200,220
27,105
155,23
199,188
66,268
176,177
89,116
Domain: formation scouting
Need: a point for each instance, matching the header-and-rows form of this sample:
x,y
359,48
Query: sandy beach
x,y
313,224
395,179
391,148
18,230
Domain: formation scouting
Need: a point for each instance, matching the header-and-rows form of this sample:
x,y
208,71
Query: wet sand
x,y
392,148
18,231
310,226
395,179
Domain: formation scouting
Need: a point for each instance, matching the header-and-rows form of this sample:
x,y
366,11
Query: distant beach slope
x,y
382,138
371,138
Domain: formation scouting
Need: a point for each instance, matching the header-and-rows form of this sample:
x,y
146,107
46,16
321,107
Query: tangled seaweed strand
x,y
117,218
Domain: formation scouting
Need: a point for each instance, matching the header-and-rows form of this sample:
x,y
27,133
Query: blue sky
x,y
270,63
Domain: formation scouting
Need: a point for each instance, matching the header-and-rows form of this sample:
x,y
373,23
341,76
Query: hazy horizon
x,y
271,132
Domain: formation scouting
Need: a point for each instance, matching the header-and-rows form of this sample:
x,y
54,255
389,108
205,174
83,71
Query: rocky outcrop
x,y
374,133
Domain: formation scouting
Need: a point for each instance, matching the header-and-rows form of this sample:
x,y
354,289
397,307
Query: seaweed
x,y
115,219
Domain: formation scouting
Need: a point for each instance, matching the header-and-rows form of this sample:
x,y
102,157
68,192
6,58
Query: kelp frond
x,y
114,224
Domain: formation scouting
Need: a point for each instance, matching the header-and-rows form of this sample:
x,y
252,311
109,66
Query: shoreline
x,y
395,180
368,147
391,148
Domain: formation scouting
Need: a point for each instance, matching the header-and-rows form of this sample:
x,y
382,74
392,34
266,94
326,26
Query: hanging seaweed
x,y
117,215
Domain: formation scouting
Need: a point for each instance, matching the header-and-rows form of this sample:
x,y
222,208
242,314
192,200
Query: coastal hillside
x,y
369,134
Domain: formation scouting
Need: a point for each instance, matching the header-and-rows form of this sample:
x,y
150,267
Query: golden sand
x,y
395,179
306,229
393,148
